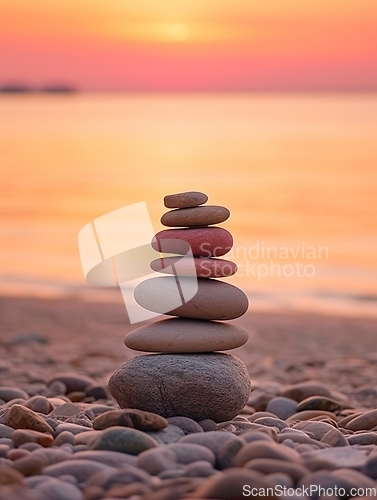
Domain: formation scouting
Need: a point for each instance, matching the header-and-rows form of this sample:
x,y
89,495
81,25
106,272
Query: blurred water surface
x,y
298,172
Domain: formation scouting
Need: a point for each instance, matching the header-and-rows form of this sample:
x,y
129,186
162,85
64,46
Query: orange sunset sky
x,y
190,44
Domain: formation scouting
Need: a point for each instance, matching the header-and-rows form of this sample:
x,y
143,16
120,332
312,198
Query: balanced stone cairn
x,y
187,377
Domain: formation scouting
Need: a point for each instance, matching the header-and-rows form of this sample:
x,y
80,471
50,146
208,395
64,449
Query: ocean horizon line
x,y
6,89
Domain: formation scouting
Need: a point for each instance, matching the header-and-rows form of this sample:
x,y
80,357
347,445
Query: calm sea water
x,y
298,173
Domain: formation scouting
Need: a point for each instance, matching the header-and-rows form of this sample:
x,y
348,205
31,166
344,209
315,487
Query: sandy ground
x,y
39,337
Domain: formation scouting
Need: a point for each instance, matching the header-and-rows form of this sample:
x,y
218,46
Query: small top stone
x,y
185,200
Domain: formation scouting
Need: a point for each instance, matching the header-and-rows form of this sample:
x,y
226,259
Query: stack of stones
x,y
188,377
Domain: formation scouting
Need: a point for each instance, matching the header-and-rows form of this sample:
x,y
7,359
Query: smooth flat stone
x,y
123,439
198,386
318,429
30,465
204,241
265,449
188,425
9,393
334,438
364,422
183,200
225,484
22,436
6,431
66,410
271,465
282,407
9,476
202,268
304,390
213,440
341,457
197,216
171,434
59,490
137,419
157,460
107,457
364,438
214,300
73,381
20,417
319,403
82,470
39,404
186,335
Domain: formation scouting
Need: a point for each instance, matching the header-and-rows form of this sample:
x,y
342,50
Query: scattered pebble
x,y
20,417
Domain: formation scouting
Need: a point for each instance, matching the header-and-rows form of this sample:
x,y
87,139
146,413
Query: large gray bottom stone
x,y
198,386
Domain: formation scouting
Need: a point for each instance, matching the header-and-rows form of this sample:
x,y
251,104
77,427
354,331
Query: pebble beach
x,y
309,428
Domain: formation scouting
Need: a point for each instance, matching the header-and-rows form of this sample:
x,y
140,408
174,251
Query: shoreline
x,y
88,337
44,342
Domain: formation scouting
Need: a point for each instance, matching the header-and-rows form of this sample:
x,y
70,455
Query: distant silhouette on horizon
x,y
20,88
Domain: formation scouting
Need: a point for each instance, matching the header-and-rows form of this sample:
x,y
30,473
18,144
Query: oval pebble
x,y
203,241
39,404
317,429
187,453
188,425
123,475
363,422
107,457
171,434
72,428
213,440
271,422
199,469
230,485
30,465
142,420
23,436
196,216
186,335
9,393
82,470
53,455
309,415
157,460
123,439
271,465
319,403
185,200
20,417
212,300
6,431
303,390
228,451
364,438
59,490
10,476
282,407
265,449
334,438
73,381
